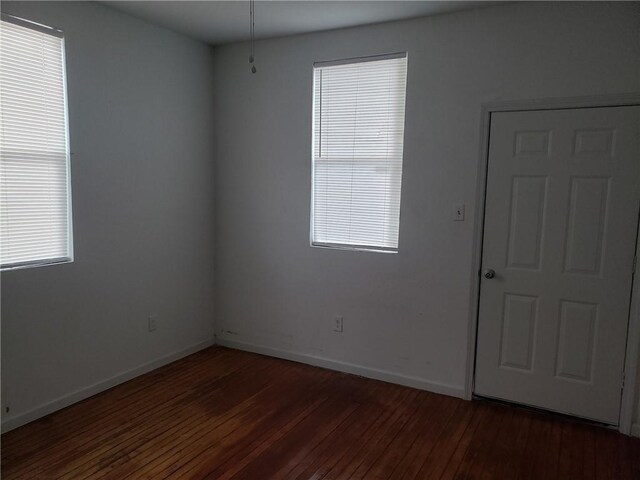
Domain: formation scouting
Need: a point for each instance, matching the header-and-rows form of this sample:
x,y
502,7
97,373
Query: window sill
x,y
353,248
39,263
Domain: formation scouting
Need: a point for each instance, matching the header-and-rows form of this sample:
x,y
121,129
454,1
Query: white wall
x,y
405,314
141,116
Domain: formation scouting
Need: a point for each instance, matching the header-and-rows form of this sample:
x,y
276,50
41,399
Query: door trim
x,y
632,356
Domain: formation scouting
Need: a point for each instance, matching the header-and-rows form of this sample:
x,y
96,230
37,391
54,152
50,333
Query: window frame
x,y
69,258
347,246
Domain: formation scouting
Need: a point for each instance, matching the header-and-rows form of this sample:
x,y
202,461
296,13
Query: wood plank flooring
x,y
225,414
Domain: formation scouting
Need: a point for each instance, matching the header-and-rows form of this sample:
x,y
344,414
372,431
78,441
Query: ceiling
x,y
219,22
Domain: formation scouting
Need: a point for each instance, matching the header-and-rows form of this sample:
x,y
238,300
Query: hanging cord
x,y
252,28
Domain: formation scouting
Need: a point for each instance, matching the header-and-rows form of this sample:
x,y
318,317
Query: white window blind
x,y
358,133
35,220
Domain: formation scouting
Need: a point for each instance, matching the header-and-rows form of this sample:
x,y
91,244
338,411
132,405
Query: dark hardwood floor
x,y
222,414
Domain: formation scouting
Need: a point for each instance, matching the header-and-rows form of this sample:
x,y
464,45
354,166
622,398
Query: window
x,y
358,133
35,206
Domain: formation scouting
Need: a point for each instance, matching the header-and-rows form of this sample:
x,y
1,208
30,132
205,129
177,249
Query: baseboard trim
x,y
383,375
78,395
635,430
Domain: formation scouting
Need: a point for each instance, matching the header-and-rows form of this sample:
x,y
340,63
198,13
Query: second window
x,y
358,134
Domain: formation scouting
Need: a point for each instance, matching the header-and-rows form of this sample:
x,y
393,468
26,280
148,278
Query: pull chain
x,y
252,27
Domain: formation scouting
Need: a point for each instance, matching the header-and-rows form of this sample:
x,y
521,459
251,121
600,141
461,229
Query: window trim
x,y
343,246
59,33
355,248
23,22
36,263
367,58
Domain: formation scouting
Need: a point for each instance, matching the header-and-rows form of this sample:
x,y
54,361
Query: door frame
x,y
632,356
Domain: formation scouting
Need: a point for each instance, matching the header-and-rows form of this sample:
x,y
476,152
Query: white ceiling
x,y
219,22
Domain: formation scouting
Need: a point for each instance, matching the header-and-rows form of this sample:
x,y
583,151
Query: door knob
x,y
489,274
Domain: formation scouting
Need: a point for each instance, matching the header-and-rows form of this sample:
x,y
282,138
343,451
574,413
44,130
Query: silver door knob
x,y
489,274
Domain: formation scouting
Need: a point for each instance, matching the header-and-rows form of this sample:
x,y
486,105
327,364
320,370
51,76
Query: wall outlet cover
x,y
152,322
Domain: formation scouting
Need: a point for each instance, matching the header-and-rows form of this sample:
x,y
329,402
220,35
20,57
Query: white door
x,y
561,215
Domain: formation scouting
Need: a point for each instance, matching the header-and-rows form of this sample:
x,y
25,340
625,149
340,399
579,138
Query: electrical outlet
x,y
153,322
338,324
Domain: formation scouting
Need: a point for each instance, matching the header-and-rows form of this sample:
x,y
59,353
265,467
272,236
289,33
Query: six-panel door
x,y
561,217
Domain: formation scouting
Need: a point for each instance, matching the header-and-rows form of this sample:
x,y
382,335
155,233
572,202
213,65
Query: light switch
x,y
458,212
